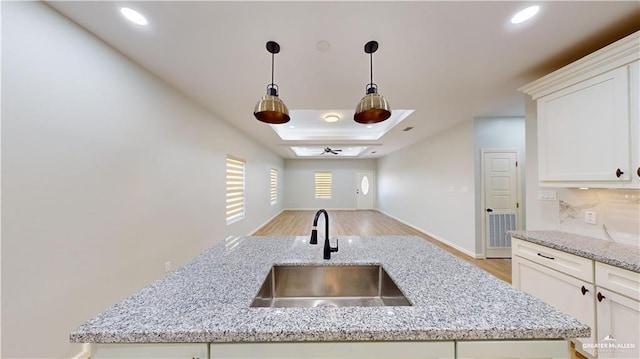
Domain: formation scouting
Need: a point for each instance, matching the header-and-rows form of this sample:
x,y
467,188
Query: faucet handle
x,y
334,249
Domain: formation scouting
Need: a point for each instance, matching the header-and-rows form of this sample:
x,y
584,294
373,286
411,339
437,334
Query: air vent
x,y
408,128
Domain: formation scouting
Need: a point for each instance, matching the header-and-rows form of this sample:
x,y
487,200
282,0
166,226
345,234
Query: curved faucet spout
x,y
314,234
314,231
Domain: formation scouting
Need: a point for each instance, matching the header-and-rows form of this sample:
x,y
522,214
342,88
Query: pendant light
x,y
373,108
270,108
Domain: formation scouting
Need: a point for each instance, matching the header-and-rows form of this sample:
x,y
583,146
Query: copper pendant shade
x,y
373,108
270,109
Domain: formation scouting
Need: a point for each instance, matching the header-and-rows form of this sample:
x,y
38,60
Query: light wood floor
x,y
368,223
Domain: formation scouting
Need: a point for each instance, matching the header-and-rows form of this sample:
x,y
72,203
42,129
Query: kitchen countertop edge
x,y
616,254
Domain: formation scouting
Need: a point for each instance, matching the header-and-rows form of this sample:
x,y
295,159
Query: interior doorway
x,y
365,198
501,200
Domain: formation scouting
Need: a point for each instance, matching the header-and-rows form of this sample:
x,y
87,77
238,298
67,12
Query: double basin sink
x,y
329,286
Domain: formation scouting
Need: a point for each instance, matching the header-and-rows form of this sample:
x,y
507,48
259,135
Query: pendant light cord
x,y
371,66
272,69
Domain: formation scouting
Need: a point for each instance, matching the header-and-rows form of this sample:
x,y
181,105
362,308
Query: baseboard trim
x,y
434,236
265,223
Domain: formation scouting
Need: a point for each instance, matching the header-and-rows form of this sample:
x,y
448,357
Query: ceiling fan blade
x,y
329,150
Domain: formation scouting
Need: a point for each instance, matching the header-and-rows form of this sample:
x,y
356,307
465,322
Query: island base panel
x,y
320,350
523,349
150,351
513,349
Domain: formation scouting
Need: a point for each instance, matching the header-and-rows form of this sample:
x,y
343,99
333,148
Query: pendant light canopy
x,y
270,108
373,108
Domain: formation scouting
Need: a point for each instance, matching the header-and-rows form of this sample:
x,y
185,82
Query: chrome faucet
x,y
314,234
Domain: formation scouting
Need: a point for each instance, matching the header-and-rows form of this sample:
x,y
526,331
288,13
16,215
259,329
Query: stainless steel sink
x,y
329,286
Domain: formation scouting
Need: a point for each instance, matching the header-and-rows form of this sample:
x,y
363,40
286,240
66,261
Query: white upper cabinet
x,y
583,130
588,131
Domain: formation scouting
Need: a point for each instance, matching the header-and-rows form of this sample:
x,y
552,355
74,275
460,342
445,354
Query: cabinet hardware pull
x,y
619,173
543,256
638,171
600,297
584,290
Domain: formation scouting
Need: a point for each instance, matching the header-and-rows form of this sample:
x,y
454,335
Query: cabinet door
x,y
150,351
618,325
583,130
522,349
320,350
634,92
558,290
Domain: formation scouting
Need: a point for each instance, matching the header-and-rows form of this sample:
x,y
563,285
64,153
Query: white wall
x,y
300,189
430,186
108,172
496,133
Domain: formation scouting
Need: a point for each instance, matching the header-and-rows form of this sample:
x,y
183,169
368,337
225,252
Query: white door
x,y
501,205
364,190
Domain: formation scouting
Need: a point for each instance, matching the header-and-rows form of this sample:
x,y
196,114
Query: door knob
x,y
489,210
584,290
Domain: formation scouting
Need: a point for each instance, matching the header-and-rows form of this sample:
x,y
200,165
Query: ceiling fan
x,y
329,150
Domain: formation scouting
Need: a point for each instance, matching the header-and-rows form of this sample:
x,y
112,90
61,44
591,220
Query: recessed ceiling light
x,y
525,14
369,126
323,46
332,118
133,16
291,126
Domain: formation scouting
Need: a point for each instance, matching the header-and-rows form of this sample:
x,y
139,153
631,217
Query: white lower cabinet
x,y
618,312
571,295
608,301
364,350
523,349
151,351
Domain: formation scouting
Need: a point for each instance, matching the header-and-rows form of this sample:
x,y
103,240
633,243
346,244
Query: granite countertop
x,y
208,299
616,254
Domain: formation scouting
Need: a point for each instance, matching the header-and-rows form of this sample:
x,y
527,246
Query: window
x,y
274,186
235,189
323,184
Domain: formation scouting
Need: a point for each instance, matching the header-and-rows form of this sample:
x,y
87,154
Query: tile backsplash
x,y
617,213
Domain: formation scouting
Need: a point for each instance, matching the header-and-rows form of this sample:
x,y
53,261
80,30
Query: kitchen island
x,y
208,301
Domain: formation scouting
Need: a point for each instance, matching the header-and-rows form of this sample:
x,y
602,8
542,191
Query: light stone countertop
x,y
208,299
609,252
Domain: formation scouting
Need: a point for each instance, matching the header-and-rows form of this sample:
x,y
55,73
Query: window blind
x,y
274,186
323,184
235,189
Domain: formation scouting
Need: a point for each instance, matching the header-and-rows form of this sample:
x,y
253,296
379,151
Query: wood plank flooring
x,y
368,223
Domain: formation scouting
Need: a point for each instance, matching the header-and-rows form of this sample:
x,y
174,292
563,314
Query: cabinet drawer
x,y
566,263
618,280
